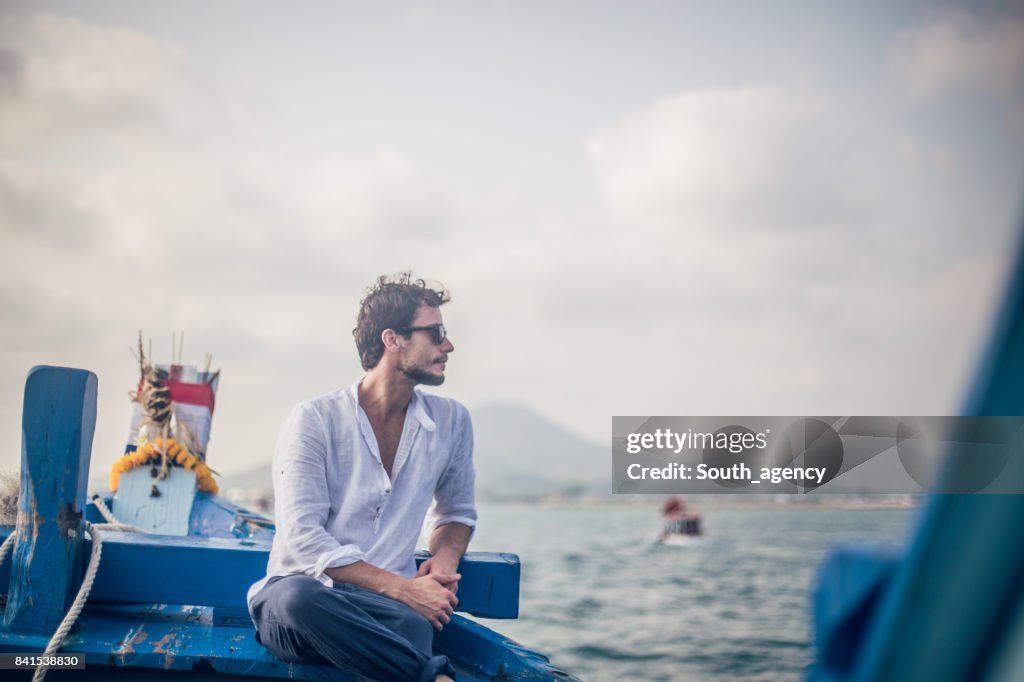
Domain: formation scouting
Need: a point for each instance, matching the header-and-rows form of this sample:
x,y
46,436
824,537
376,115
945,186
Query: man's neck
x,y
385,393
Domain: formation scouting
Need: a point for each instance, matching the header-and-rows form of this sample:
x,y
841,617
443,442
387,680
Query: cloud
x,y
730,159
751,249
383,192
134,195
757,251
120,155
961,50
923,156
67,76
733,188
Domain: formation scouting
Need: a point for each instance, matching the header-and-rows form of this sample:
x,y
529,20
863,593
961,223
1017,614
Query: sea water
x,y
606,602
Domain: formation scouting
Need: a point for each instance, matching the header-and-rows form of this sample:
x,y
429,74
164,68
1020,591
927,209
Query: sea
x,y
604,601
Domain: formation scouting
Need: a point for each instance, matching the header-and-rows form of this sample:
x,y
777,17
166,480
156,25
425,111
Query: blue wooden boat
x,y
951,606
164,606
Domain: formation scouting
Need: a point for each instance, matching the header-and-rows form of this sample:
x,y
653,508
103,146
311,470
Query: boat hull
x,y
165,606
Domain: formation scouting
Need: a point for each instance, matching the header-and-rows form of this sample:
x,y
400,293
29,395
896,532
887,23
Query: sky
x,y
653,208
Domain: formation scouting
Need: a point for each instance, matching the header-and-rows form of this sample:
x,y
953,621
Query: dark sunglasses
x,y
437,332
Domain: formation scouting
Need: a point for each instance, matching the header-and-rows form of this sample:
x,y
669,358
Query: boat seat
x,y
217,572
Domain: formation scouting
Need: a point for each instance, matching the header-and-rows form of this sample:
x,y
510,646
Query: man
x,y
354,474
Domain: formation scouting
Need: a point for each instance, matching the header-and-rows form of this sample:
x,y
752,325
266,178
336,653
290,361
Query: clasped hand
x,y
431,596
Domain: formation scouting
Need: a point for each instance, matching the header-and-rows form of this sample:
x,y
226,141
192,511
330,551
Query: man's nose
x,y
447,345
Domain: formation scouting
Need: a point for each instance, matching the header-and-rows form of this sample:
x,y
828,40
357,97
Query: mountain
x,y
518,453
521,454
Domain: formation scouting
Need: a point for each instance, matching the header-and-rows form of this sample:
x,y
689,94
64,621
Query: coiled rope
x,y
95,530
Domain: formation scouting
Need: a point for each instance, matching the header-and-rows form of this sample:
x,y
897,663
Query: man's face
x,y
421,359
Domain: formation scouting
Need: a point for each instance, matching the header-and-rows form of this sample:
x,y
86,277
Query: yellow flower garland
x,y
178,454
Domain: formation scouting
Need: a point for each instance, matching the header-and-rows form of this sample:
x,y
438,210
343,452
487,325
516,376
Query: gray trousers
x,y
300,620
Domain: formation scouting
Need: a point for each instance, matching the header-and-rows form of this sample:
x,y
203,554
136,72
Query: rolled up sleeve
x,y
454,497
302,499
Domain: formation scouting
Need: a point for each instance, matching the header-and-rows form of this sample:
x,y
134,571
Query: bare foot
x,y
443,678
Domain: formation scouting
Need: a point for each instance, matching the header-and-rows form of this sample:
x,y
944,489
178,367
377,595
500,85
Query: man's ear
x,y
389,338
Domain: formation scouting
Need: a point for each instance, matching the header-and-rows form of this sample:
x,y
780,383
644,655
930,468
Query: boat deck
x,y
156,641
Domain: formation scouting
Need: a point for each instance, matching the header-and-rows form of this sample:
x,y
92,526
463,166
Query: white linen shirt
x,y
334,502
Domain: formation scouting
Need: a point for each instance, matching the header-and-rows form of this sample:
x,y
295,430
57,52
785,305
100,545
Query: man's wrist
x,y
448,543
445,559
371,578
396,589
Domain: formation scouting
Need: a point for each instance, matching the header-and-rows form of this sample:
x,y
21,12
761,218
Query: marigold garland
x,y
177,453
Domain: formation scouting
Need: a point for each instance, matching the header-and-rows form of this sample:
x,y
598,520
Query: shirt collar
x,y
419,411
417,406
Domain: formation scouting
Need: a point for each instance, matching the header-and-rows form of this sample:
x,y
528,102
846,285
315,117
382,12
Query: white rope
x,y
83,592
101,507
6,547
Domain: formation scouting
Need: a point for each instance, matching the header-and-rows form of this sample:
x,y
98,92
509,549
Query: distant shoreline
x,y
788,503
263,504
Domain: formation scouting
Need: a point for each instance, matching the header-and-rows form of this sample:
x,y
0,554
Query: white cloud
x,y
383,193
960,50
751,262
726,159
65,75
733,186
134,196
924,156
196,185
753,249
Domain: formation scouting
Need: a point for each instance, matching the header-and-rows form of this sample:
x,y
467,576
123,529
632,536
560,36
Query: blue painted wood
x,y
212,516
183,639
217,572
491,655
178,570
58,420
490,584
166,513
216,517
173,639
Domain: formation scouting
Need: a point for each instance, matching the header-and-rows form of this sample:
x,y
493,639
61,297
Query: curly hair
x,y
391,303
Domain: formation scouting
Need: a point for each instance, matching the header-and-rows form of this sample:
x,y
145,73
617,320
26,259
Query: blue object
x,y
952,607
850,583
140,567
165,603
58,420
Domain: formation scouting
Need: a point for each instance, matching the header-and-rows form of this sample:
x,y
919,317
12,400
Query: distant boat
x,y
680,526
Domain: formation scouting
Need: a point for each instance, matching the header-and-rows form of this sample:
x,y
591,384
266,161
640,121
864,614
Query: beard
x,y
421,376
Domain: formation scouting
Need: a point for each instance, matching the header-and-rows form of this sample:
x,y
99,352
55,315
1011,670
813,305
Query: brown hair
x,y
390,304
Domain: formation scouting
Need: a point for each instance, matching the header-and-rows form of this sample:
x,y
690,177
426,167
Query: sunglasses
x,y
437,332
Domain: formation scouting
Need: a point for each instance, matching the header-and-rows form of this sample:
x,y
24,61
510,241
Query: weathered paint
x,y
126,646
168,512
183,639
57,428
